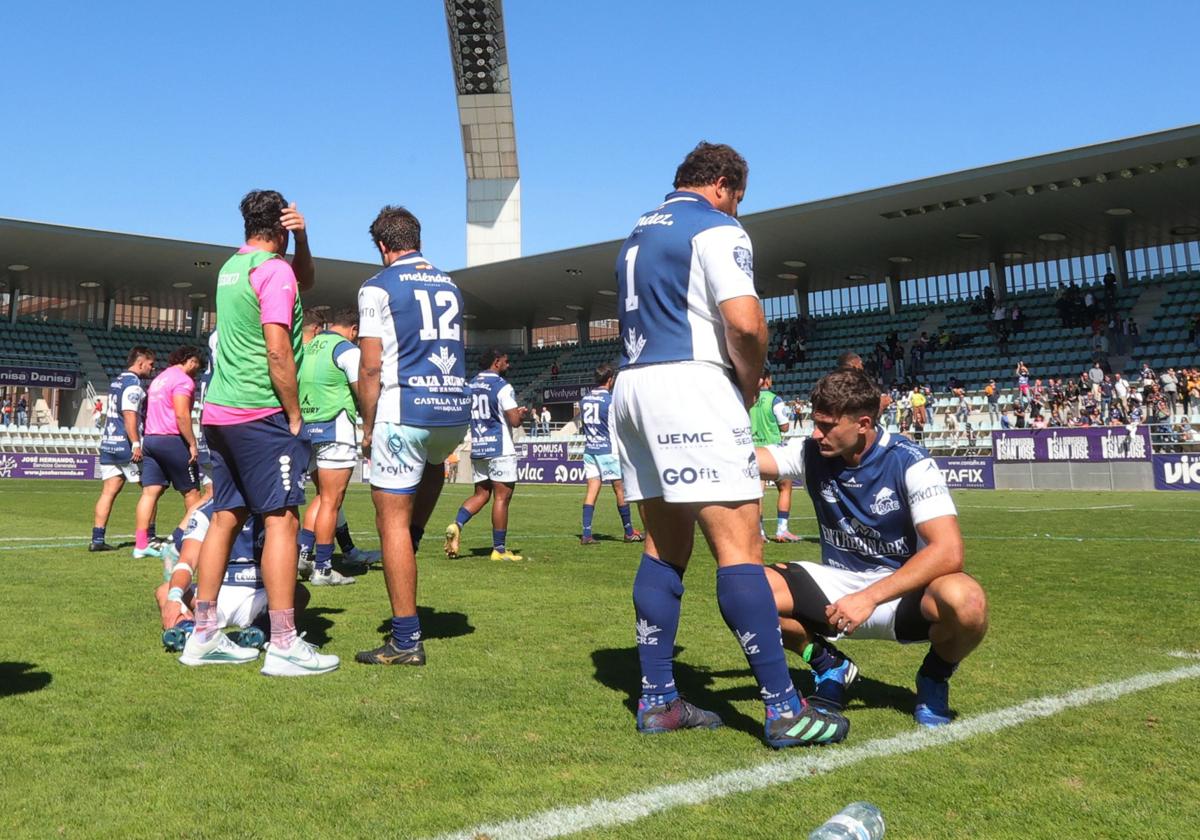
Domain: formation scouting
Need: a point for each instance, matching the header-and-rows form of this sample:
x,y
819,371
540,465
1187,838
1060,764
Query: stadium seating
x,y
112,347
33,342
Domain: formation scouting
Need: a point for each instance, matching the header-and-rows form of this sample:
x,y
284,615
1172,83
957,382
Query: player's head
x,y
717,171
764,378
850,359
314,322
261,214
605,375
494,359
189,356
395,232
845,409
344,322
140,360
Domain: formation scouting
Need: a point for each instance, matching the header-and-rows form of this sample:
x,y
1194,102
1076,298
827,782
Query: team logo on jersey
x,y
829,492
444,360
634,345
744,260
745,639
885,502
646,632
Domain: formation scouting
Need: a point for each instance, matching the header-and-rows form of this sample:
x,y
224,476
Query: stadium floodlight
x,y
607,292
1119,211
139,298
198,295
1052,186
1013,255
181,284
575,272
1101,177
1052,237
967,236
899,260
18,267
1078,182
800,263
555,318
574,307
1151,168
89,284
786,276
467,316
202,263
1185,230
856,277
1031,189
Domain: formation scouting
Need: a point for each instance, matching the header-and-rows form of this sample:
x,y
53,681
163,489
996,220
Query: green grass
x,y
525,704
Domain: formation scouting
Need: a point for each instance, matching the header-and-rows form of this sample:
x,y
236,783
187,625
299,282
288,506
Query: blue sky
x,y
155,118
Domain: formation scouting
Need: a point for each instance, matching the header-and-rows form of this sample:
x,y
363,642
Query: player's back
x,y
125,393
680,262
416,312
491,397
594,409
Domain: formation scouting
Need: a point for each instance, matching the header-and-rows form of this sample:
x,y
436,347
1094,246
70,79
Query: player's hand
x,y
366,444
846,614
193,454
174,612
293,220
137,454
295,425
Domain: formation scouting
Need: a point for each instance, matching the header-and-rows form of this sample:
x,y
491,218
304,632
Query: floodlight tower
x,y
477,50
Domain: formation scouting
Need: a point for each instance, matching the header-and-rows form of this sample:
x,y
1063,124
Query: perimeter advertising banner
x,y
1102,443
38,377
967,473
549,463
565,393
1177,472
44,465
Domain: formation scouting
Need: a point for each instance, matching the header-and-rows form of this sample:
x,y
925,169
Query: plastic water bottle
x,y
857,821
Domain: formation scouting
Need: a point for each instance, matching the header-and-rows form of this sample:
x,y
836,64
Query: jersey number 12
x,y
446,329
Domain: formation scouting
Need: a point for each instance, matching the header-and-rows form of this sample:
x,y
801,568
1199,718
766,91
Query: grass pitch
x,y
526,702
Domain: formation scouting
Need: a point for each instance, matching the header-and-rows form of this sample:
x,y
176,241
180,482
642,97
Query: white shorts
x,y
602,467
399,453
502,468
838,583
131,471
205,475
684,435
333,455
238,606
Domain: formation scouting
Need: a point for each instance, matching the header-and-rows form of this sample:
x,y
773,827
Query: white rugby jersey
x,y
682,261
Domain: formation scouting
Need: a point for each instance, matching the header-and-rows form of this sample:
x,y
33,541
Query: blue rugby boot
x,y
249,637
831,684
672,715
174,638
933,702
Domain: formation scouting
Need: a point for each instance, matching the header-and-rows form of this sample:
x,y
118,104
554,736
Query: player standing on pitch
x,y
891,550
412,389
600,461
694,344
769,421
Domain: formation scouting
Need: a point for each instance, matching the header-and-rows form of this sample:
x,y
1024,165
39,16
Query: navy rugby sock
x,y
588,512
98,535
498,540
464,516
936,668
626,519
150,534
415,533
324,556
657,597
748,607
406,630
344,540
306,541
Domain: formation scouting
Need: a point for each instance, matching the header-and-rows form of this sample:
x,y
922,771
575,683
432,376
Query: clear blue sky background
x,y
156,117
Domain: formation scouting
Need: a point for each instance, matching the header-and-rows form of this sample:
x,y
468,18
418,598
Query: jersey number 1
x,y
446,329
631,301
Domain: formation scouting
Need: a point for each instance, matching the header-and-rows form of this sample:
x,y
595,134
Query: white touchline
x,y
602,813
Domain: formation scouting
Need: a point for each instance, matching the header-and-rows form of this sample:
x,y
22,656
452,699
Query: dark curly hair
x,y
397,229
708,162
188,351
261,210
846,391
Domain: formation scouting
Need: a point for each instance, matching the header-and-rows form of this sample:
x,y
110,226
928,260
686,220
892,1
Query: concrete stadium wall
x,y
1070,475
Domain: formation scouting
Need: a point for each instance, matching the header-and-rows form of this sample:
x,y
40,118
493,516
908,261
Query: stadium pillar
x,y
197,319
528,337
996,278
110,314
893,293
14,296
1116,258
802,302
583,328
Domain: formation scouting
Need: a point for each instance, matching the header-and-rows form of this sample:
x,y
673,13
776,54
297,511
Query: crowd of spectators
x,y
793,345
15,412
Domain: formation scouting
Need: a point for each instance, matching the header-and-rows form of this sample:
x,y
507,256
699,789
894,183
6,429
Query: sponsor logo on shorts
x,y
678,440
688,475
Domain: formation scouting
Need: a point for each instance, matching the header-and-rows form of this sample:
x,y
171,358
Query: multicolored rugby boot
x,y
808,727
174,638
635,537
673,715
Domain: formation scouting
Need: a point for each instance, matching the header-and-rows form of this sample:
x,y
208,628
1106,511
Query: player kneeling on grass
x,y
891,550
241,601
600,460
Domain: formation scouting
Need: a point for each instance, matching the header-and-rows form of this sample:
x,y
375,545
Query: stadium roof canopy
x,y
940,225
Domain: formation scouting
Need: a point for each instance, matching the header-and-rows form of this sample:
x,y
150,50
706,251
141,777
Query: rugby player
x,y
241,601
415,405
253,426
121,442
891,550
769,421
600,461
494,414
328,383
170,453
695,340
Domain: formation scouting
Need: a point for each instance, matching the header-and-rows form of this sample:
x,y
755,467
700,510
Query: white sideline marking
x,y
602,813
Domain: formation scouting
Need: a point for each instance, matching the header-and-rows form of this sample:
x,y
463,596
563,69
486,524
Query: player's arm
x,y
131,431
302,261
281,365
785,461
746,342
347,357
506,401
174,608
182,404
370,366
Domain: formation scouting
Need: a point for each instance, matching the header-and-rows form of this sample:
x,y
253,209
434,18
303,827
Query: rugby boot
x,y
589,540
506,555
361,557
249,637
148,551
933,702
806,726
329,577
174,638
389,653
101,546
786,537
831,684
453,534
300,660
675,714
635,537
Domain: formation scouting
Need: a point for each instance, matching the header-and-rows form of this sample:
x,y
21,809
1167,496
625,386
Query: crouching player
x,y
891,550
241,601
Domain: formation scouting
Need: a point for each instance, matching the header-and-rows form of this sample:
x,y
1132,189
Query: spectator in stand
x,y
1037,396
1194,331
7,409
1017,318
23,410
1106,398
1191,396
1002,338
546,420
1131,328
1121,392
801,351
989,297
1038,421
1095,376
554,370
999,317
1006,422
1169,384
1019,415
920,415
1022,374
993,402
1149,380
1056,419
962,410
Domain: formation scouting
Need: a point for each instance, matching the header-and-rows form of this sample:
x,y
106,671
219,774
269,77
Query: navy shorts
x,y
165,461
259,465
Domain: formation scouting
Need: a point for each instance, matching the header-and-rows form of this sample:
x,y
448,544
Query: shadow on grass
x,y
436,625
865,693
21,678
313,623
618,669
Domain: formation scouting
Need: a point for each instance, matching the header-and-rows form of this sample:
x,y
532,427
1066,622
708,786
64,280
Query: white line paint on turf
x,y
602,813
